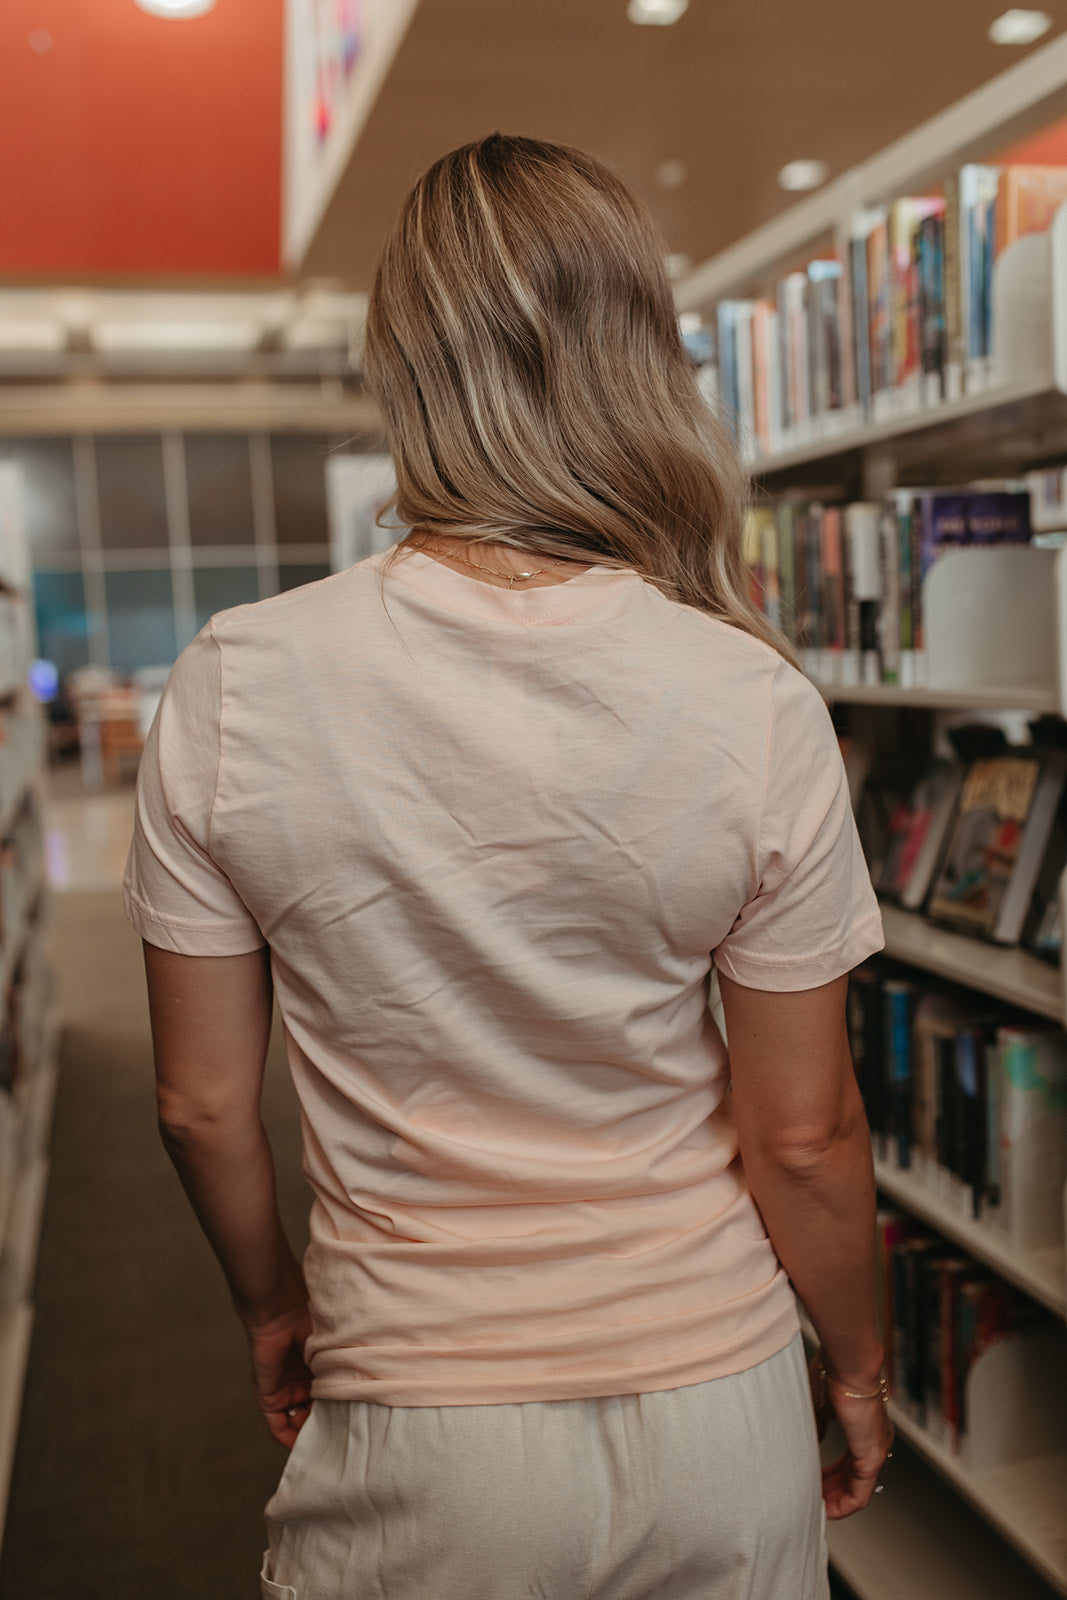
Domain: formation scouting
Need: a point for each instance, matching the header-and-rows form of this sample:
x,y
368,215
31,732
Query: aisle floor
x,y
142,1466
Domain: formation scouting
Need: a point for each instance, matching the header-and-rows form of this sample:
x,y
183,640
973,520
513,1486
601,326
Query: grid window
x,y
298,471
62,620
292,574
49,500
218,472
132,499
218,588
140,619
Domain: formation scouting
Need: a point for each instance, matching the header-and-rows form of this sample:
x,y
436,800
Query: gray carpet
x,y
142,1466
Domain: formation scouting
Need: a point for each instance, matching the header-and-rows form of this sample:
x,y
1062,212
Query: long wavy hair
x,y
523,345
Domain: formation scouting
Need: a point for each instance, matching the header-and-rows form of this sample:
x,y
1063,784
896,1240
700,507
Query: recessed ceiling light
x,y
803,174
671,174
1019,27
176,8
658,13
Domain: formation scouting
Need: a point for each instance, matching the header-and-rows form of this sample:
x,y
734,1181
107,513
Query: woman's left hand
x,y
281,1378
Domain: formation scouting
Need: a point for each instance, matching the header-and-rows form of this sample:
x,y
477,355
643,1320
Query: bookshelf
x,y
28,1030
942,1529
1007,973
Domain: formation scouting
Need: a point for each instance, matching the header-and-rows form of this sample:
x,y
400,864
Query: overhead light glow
x,y
657,13
176,8
1019,27
803,174
671,174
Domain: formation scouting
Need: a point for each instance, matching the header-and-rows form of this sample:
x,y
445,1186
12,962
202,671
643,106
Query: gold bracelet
x,y
881,1393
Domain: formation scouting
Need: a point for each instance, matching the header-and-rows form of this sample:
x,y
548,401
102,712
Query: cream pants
x,y
708,1492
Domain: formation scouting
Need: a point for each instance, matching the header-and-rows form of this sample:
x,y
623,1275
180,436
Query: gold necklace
x,y
508,577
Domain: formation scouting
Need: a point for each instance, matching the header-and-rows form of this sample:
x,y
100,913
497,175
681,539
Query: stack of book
x,y
905,321
968,1097
845,582
942,1314
979,842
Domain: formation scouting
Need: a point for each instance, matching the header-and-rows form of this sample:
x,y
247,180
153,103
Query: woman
x,y
485,814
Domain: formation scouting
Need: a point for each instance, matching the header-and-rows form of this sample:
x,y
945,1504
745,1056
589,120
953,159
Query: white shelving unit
x,y
1039,1273
943,1531
27,1108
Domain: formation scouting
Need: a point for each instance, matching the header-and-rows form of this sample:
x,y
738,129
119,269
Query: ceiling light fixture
x,y
803,174
656,13
176,8
671,174
1019,27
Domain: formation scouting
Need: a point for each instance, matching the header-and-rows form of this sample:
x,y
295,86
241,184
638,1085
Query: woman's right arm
x,y
807,1156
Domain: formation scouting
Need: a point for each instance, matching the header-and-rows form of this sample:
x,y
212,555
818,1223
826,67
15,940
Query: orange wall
x,y
137,144
1045,149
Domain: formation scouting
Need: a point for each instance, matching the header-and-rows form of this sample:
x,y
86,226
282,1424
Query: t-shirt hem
x,y
682,1372
789,974
188,938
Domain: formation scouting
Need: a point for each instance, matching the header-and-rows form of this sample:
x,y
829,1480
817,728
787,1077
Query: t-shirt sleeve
x,y
814,915
175,895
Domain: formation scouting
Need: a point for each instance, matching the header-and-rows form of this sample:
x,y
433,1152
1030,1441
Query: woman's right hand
x,y
849,1482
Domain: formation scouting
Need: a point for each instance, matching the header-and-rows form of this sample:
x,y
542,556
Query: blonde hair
x,y
523,344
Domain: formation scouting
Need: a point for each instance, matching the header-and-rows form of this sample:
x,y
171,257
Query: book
x,y
1032,1062
932,324
787,585
1028,198
934,804
889,613
901,996
879,308
984,845
977,201
866,1032
862,538
1038,832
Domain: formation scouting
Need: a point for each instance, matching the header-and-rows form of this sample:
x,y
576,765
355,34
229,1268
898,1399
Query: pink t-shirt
x,y
494,841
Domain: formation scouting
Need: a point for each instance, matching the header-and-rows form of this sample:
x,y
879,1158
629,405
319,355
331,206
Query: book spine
x,y
970,1159
785,360
889,634
726,325
787,593
899,997
1033,1136
772,601
901,510
954,351
857,250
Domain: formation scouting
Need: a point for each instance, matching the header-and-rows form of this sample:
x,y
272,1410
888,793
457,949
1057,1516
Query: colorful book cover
x,y
977,202
905,218
880,307
1033,1135
931,275
1028,198
984,842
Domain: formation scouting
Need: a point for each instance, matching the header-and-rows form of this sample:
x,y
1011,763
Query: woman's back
x,y
492,839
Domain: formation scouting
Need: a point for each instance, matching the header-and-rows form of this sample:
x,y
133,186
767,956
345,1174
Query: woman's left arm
x,y
211,1019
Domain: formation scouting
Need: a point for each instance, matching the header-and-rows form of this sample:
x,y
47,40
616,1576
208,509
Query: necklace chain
x,y
508,577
